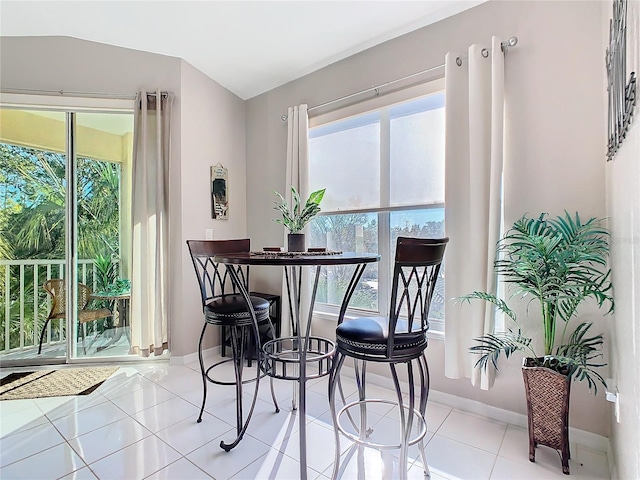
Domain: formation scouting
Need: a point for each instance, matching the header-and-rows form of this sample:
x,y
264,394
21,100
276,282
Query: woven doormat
x,y
53,383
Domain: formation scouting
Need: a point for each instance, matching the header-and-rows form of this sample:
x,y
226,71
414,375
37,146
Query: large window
x,y
384,175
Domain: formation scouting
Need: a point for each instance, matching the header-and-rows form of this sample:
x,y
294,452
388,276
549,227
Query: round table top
x,y
269,258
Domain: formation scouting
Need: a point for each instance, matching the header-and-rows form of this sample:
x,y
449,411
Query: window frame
x,y
383,105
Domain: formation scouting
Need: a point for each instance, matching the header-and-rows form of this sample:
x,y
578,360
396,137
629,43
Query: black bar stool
x,y
399,338
275,316
224,306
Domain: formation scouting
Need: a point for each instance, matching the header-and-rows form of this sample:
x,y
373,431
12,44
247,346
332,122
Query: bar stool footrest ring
x,y
351,436
282,357
220,382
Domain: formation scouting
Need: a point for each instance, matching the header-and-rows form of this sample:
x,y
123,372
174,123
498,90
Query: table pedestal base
x,y
282,358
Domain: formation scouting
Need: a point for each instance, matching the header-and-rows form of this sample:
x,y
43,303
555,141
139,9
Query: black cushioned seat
x,y
369,336
232,310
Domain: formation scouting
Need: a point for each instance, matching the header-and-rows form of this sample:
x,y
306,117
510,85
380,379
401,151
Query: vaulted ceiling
x,y
249,47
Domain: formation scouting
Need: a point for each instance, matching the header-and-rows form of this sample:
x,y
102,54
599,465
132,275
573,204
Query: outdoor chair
x,y
56,288
399,338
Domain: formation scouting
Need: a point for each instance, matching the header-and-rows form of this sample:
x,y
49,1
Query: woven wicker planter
x,y
547,409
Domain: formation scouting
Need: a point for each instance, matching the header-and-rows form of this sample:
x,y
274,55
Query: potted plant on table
x,y
106,271
557,264
297,217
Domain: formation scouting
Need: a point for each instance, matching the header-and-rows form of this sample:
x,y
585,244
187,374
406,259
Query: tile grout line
x,y
178,392
495,460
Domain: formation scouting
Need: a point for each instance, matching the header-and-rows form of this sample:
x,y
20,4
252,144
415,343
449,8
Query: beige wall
x,y
213,132
554,140
623,210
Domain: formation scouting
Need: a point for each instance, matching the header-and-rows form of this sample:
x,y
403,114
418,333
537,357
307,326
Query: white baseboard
x,y
613,467
193,357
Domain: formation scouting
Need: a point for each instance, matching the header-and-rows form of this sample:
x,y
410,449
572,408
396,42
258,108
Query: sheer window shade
x,y
347,143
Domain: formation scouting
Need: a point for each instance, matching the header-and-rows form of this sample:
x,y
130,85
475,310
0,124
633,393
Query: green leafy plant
x,y
295,218
106,271
107,280
558,264
118,287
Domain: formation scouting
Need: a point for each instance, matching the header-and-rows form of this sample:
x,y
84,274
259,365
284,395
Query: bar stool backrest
x,y
415,273
213,278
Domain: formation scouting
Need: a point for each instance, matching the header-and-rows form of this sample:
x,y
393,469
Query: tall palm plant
x,y
558,264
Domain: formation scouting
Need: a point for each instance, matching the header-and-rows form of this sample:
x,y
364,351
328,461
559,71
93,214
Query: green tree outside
x,y
359,232
32,225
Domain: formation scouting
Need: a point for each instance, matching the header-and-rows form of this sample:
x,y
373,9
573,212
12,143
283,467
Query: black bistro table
x,y
300,357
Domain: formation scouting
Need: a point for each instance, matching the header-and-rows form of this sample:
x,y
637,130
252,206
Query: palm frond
x,y
580,347
487,297
579,355
490,346
582,372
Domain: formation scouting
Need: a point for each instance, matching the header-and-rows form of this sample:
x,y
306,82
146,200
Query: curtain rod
x,y
114,96
512,42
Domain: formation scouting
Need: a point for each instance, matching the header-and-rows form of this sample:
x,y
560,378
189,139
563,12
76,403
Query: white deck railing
x,y
23,299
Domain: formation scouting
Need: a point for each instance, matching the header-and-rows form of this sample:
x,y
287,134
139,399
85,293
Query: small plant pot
x,y
547,409
296,242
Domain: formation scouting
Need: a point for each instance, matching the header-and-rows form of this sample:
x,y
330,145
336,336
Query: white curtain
x,y
474,113
149,279
298,177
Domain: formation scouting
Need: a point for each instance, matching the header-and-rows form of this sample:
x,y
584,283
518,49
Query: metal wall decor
x,y
622,96
219,193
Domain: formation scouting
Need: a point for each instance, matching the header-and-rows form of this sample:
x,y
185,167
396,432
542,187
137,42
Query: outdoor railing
x,y
24,305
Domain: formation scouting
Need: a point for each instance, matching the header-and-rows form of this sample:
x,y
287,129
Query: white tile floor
x,y
141,423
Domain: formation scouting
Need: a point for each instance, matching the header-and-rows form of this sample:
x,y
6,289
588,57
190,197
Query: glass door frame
x,y
70,106
71,238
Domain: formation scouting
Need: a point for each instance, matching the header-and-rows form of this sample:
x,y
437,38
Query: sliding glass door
x,y
64,220
102,219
